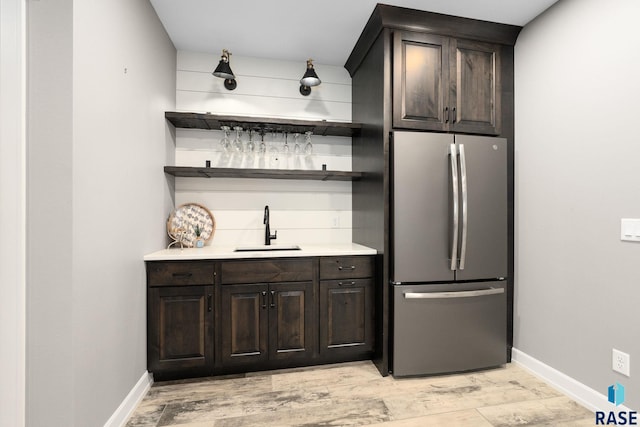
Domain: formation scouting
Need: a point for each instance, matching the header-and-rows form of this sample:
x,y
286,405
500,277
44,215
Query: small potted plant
x,y
199,242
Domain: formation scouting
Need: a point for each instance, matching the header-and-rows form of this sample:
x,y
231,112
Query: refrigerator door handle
x,y
454,188
463,185
458,294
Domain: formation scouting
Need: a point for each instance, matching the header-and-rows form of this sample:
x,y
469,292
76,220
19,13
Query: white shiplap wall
x,y
302,211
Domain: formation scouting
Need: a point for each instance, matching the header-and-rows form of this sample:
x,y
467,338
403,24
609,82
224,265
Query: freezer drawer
x,y
449,328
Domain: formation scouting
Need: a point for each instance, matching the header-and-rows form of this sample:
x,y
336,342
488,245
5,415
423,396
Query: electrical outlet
x,y
620,362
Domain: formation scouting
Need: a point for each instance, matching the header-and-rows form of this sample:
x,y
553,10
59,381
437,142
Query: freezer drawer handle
x,y
459,294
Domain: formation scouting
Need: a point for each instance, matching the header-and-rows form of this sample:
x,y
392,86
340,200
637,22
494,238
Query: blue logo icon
x,y
616,394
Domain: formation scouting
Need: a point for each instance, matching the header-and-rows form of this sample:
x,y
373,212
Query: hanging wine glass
x,y
296,144
285,146
237,142
308,148
225,142
262,148
273,155
251,146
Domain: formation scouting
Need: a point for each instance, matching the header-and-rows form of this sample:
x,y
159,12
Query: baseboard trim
x,y
129,404
586,396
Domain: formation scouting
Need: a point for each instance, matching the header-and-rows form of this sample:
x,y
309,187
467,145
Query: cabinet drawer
x,y
180,273
267,271
346,267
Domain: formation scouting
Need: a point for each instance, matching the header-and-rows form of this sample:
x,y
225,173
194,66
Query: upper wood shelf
x,y
319,175
215,121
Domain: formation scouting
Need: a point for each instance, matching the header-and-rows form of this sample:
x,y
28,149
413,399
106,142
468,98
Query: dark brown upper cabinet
x,y
445,84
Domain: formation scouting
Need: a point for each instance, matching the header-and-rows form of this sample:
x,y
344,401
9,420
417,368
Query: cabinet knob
x,y
182,275
264,299
273,299
346,283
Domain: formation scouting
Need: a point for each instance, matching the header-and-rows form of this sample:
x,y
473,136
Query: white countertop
x,y
228,252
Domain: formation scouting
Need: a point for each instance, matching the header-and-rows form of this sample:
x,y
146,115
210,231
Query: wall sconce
x,y
223,70
309,79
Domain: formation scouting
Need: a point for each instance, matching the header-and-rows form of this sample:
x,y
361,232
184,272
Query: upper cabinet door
x,y
446,84
420,81
475,95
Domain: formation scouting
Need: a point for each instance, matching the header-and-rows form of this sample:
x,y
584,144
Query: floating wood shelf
x,y
319,175
266,124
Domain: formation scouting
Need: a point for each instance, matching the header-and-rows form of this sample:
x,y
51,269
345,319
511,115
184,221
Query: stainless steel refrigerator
x,y
449,252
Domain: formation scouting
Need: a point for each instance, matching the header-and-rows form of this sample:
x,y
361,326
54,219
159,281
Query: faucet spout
x,y
268,237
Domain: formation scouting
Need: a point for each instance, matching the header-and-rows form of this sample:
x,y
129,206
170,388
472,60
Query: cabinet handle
x,y
353,267
446,114
264,299
273,299
346,283
454,115
209,304
182,275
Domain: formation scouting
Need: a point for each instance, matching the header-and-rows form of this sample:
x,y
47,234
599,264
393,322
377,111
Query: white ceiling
x,y
325,30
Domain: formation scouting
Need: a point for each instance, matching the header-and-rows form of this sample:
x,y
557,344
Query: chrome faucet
x,y
268,237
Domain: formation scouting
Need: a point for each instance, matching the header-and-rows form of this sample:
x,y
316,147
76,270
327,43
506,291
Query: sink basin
x,y
265,248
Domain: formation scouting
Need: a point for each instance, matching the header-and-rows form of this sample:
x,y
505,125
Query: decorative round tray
x,y
185,219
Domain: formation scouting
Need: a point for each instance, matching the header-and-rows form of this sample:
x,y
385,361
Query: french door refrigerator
x,y
449,252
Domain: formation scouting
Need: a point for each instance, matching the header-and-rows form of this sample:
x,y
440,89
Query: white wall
x,y
12,214
50,359
101,75
576,92
301,211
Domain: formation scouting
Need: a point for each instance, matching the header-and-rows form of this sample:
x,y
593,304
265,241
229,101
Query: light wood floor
x,y
354,394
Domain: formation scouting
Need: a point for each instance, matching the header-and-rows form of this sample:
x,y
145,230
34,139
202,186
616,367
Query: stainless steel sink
x,y
265,248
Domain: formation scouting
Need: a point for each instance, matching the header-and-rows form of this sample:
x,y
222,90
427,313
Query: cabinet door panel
x,y
476,86
291,320
176,273
244,324
266,271
180,328
346,320
340,267
420,81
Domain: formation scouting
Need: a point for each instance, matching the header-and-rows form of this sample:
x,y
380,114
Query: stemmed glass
x,y
237,142
296,145
262,148
273,155
308,148
224,142
285,147
251,146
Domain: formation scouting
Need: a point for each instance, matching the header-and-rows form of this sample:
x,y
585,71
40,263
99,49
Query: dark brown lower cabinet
x,y
180,329
229,316
346,318
266,323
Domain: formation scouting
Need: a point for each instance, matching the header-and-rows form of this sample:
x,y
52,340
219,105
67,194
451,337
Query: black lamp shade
x,y
310,78
223,70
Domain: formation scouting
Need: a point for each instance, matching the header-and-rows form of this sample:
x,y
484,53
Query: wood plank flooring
x,y
354,394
